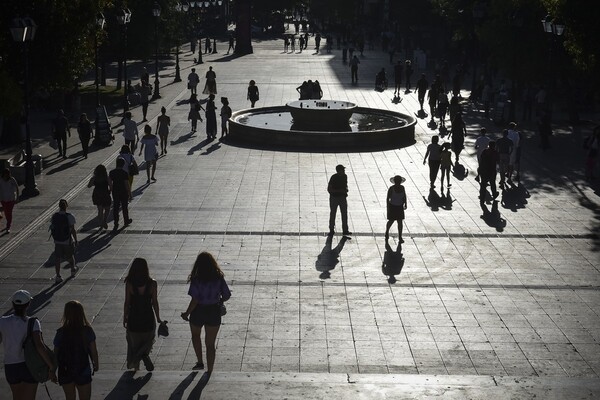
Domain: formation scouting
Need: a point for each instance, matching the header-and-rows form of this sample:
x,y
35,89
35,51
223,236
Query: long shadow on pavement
x,y
393,262
127,386
180,389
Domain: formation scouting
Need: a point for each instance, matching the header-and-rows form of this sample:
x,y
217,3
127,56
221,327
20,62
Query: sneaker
x,y
148,363
74,271
199,365
58,279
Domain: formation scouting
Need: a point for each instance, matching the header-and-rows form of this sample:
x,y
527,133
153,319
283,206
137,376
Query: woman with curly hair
x,y
208,290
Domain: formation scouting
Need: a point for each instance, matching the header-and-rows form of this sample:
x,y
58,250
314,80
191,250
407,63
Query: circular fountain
x,y
322,124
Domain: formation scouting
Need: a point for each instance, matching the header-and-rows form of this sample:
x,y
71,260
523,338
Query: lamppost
x,y
100,20
179,7
156,14
555,29
123,19
197,4
23,31
215,3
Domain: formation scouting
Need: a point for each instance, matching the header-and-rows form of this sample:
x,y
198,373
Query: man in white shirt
x,y
130,131
515,155
480,145
193,80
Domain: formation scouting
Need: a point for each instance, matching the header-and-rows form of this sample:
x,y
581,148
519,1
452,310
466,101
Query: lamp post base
x,y
30,192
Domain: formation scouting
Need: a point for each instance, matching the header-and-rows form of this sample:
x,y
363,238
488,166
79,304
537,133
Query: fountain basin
x,y
367,128
315,114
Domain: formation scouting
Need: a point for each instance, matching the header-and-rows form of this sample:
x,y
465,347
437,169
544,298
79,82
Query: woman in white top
x,y
9,195
396,204
13,330
149,143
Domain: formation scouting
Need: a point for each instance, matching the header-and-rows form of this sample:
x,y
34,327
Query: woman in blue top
x,y
74,345
207,289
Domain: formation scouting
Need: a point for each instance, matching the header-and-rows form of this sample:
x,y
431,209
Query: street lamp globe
x,y
185,6
547,23
156,9
100,20
559,28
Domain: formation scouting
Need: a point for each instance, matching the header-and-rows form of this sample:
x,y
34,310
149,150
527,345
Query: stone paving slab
x,y
517,295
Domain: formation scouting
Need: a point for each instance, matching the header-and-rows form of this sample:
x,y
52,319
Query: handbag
x,y
223,308
134,169
35,363
163,329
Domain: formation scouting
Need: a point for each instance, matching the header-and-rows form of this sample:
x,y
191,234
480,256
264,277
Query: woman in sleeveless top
x,y
141,312
101,194
396,204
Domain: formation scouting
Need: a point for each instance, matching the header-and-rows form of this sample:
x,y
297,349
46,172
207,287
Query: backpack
x,y
59,227
35,363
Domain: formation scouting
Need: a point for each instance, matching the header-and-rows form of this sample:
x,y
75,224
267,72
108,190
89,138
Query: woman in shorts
x,y
74,345
208,290
13,330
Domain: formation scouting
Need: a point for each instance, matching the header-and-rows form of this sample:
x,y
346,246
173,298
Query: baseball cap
x,y
339,167
21,297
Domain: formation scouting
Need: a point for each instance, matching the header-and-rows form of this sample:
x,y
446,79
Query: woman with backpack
x,y
141,310
74,345
13,331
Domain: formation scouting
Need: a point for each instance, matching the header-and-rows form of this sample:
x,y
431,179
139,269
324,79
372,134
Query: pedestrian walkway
x,y
502,306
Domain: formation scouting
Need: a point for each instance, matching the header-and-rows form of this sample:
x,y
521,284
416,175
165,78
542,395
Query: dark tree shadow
x,y
180,389
514,197
329,257
128,386
393,262
493,218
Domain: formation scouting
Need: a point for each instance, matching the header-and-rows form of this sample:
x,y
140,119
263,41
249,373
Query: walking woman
x,y
141,312
101,194
211,117
130,166
253,94
434,152
84,130
458,131
163,122
149,142
74,345
13,330
207,289
396,204
211,82
9,196
194,114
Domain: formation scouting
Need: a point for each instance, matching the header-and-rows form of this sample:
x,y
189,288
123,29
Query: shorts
x,y
206,314
63,251
78,378
18,373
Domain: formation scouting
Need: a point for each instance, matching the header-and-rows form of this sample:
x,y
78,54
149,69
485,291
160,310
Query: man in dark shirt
x,y
422,86
118,180
505,147
338,191
61,128
487,171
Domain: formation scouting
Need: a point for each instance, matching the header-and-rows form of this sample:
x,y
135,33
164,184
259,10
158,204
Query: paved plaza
x,y
501,305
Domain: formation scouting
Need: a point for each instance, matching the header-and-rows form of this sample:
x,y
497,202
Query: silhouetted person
x,y
61,128
338,192
398,70
396,204
487,171
459,131
354,69
408,70
231,44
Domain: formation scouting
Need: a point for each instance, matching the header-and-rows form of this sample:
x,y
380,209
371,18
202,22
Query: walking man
x,y
231,44
505,148
487,172
398,70
118,181
193,80
62,230
480,145
61,128
354,69
338,192
130,131
422,86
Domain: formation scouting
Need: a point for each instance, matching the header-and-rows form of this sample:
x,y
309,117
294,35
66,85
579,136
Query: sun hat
x,y
393,179
21,297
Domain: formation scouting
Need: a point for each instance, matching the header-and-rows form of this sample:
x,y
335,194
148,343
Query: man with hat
x,y
338,191
13,330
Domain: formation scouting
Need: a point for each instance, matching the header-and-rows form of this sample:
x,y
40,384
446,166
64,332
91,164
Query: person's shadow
x,y
446,200
393,262
514,197
199,146
433,200
492,217
128,386
329,258
180,389
92,245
